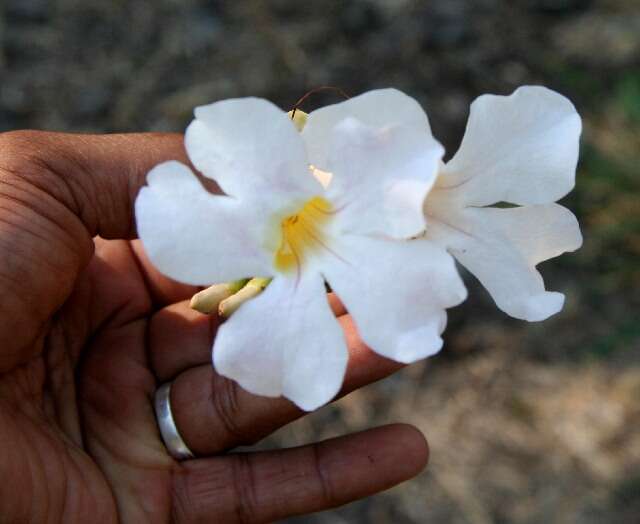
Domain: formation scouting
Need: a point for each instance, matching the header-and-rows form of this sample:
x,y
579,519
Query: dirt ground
x,y
528,423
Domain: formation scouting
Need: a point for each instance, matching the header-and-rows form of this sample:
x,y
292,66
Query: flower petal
x,y
521,149
285,342
396,292
250,148
194,236
381,177
501,247
377,108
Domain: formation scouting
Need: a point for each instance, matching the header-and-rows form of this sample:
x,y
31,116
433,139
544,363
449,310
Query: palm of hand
x,y
78,417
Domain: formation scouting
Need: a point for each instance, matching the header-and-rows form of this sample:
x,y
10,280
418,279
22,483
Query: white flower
x,y
520,149
278,221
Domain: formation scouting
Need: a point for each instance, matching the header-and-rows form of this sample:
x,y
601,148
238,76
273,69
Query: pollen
x,y
302,233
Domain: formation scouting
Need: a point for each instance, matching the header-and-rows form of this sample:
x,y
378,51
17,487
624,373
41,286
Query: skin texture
x,y
88,331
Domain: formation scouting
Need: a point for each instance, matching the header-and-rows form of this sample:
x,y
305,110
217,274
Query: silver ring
x,y
170,434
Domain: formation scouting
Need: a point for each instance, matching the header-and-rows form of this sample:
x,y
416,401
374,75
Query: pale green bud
x,y
209,299
253,288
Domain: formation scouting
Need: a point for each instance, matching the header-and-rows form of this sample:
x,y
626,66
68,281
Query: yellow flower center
x,y
302,233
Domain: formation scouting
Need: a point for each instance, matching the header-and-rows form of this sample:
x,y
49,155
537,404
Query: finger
x,y
179,337
266,486
58,191
336,305
163,290
214,414
97,177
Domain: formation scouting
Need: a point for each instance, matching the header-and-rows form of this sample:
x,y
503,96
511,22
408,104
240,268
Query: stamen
x,y
302,233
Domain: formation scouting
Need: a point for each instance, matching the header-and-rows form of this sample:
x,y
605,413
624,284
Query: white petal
x,y
194,236
285,342
501,247
381,177
251,148
377,108
396,292
521,149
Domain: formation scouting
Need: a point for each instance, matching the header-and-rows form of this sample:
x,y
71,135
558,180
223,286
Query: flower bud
x,y
253,288
209,299
299,118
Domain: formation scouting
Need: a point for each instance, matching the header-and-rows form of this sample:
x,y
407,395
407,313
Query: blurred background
x,y
528,423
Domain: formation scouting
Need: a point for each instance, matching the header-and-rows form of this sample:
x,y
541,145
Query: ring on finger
x,y
173,441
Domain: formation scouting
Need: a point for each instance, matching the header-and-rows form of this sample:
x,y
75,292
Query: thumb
x,y
58,191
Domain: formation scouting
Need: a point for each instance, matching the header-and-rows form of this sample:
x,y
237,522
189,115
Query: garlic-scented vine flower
x,y
520,149
277,221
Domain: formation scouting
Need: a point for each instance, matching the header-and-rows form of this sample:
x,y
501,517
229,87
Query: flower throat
x,y
302,233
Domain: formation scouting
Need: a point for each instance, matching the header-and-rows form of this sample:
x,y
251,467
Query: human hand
x,y
89,330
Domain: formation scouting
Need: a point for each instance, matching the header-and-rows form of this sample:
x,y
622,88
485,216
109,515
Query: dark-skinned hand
x,y
89,330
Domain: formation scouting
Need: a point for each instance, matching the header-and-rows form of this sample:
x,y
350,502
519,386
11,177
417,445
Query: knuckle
x,y
181,499
45,162
20,153
224,399
325,485
221,491
27,159
246,500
